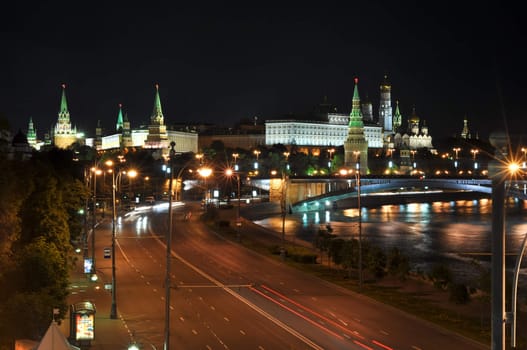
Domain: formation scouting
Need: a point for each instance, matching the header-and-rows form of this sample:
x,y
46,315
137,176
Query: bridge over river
x,y
306,194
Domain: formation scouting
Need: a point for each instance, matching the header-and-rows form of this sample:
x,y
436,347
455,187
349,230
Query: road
x,y
225,296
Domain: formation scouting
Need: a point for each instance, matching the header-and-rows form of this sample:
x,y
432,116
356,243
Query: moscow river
x,y
455,233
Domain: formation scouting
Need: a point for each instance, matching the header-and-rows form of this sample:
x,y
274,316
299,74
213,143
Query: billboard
x,y
85,329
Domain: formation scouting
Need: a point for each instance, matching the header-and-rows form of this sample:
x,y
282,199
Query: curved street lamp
x,y
115,179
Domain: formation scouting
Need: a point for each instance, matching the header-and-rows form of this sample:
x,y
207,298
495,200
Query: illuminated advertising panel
x,y
88,265
84,329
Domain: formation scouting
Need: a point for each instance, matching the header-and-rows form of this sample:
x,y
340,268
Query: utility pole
x,y
172,154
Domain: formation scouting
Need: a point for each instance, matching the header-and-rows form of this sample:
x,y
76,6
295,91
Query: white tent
x,y
55,340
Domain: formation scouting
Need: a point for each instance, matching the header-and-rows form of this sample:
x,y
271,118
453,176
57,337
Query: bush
x,y
459,293
398,264
441,276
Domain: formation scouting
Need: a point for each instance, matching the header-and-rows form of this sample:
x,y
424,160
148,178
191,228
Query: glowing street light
x,y
229,172
115,179
474,153
456,149
235,156
330,151
205,172
257,153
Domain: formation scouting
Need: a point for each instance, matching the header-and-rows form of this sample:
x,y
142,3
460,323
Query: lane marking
x,y
253,306
298,314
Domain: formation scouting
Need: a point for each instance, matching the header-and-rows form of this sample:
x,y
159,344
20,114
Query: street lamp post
x,y
235,156
456,149
95,171
330,161
257,153
205,172
357,179
113,309
474,153
499,142
115,179
230,172
169,249
283,207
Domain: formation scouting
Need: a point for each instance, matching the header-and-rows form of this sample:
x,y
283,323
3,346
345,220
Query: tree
x,y
376,261
398,264
74,195
37,283
43,214
349,255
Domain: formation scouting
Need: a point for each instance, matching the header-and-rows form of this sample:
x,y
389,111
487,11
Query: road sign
x,y
107,253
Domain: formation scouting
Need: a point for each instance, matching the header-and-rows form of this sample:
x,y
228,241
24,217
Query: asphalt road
x,y
225,296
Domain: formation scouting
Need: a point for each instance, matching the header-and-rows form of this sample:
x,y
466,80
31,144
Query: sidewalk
x,y
108,333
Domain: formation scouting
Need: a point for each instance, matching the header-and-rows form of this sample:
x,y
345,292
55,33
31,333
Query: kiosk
x,y
82,323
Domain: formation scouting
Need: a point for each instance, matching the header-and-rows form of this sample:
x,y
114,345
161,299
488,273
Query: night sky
x,y
222,63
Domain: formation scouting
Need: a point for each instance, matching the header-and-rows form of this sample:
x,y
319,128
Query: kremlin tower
x,y
356,146
63,134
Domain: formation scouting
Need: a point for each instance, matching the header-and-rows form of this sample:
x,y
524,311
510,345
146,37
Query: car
x,y
129,207
150,200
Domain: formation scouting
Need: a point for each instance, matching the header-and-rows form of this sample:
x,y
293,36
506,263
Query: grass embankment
x,y
414,295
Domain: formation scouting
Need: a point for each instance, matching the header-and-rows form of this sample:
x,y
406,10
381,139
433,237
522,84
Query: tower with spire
x,y
356,146
123,129
119,124
397,118
127,140
465,133
63,134
157,137
31,134
385,107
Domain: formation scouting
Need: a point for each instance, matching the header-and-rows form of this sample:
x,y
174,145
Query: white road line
x,y
262,312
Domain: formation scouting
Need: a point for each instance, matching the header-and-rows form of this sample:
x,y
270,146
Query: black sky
x,y
222,63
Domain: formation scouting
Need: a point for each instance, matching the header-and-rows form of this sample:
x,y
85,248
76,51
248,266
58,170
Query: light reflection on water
x,y
453,232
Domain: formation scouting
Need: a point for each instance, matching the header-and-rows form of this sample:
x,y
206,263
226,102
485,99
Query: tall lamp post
x,y
205,172
357,179
496,171
115,178
283,207
474,153
456,149
172,154
230,172
95,171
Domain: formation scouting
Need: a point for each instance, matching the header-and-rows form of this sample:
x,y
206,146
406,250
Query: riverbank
x,y
415,295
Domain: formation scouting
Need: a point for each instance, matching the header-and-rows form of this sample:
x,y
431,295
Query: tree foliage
x,y
39,201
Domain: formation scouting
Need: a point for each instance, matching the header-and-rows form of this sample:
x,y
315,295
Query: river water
x,y
455,233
